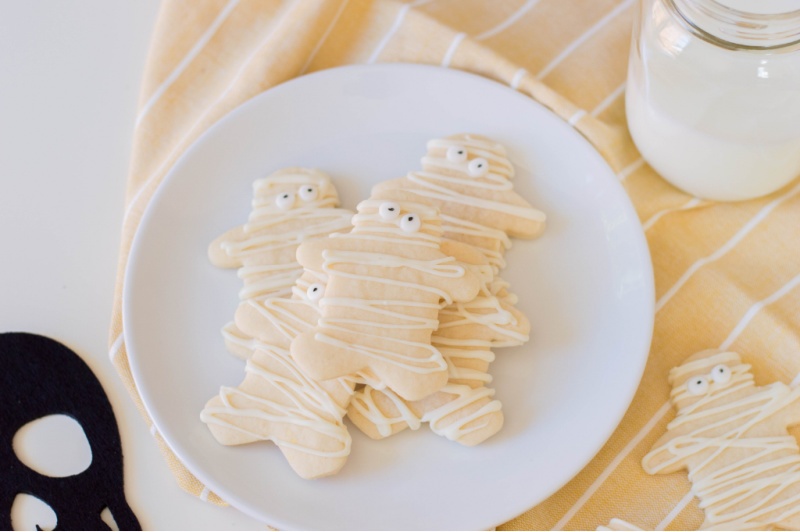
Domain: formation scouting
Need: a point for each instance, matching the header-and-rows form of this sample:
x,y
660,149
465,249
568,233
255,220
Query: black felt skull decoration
x,y
40,377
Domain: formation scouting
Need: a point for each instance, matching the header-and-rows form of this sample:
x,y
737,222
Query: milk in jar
x,y
713,94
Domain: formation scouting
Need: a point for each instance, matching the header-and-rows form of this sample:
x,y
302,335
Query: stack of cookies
x,y
389,316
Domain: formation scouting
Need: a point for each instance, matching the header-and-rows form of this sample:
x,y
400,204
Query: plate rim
x,y
643,255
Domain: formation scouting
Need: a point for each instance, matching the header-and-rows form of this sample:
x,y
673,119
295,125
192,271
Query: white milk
x,y
717,123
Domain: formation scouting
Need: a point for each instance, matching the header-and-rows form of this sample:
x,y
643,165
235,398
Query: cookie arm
x,y
309,253
660,459
217,254
462,289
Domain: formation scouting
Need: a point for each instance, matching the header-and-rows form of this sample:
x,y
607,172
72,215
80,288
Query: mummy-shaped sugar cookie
x,y
387,280
277,401
464,410
288,206
469,179
732,437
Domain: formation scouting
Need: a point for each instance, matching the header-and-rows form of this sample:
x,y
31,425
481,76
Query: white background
x,y
69,83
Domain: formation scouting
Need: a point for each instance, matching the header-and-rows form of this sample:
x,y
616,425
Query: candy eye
x,y
410,223
308,192
315,291
456,154
478,167
389,210
285,201
697,385
721,374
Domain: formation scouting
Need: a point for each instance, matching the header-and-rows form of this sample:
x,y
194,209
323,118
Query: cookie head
x,y
293,189
706,376
397,219
472,159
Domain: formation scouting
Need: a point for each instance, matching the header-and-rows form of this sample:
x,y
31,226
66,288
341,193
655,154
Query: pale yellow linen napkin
x,y
726,274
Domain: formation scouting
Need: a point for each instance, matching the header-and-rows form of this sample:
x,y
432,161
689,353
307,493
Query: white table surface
x,y
69,82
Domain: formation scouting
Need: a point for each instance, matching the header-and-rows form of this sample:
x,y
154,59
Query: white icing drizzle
x,y
373,226
315,216
500,321
388,318
317,222
272,280
460,229
492,152
233,336
442,267
380,308
432,183
739,479
464,396
457,372
429,188
308,405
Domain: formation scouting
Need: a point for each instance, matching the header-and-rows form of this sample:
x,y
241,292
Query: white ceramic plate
x,y
586,285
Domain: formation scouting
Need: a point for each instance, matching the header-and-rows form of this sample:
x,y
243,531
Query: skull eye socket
x,y
456,154
389,210
721,374
308,193
33,445
410,223
285,200
697,385
478,167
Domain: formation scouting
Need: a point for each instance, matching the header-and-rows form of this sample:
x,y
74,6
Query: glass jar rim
x,y
734,29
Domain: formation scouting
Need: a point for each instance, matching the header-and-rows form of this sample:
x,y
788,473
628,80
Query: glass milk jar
x,y
713,94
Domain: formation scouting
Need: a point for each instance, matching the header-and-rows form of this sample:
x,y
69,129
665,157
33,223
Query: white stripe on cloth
x,y
524,8
324,37
608,100
644,431
675,511
517,79
451,51
175,74
756,308
179,144
114,349
574,45
398,22
657,216
575,118
631,168
728,246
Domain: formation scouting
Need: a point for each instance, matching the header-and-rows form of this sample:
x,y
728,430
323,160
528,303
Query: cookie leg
x,y
467,415
229,431
279,403
382,413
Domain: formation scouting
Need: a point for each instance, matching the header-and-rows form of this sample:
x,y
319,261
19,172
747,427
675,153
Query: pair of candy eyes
x,y
305,193
720,374
477,167
410,223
